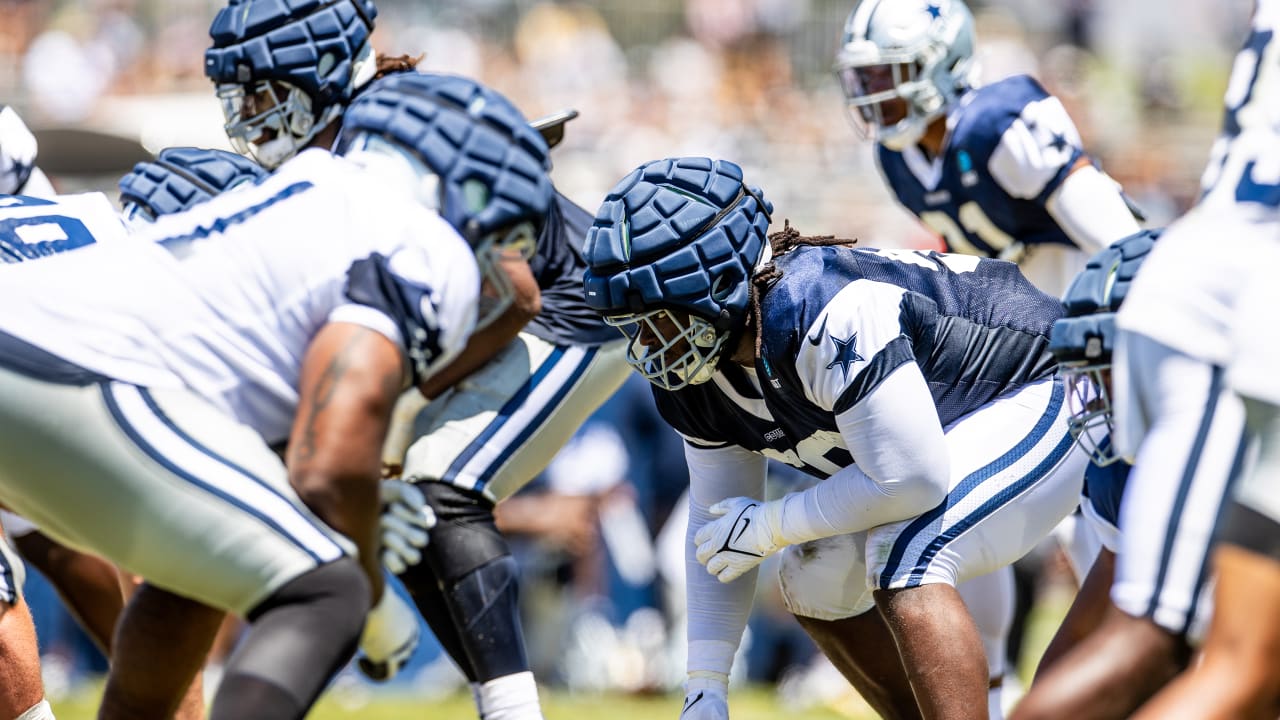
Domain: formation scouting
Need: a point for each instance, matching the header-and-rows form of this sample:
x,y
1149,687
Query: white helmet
x,y
918,51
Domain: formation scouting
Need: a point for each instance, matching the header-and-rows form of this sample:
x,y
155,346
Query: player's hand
x,y
740,539
389,639
705,704
406,518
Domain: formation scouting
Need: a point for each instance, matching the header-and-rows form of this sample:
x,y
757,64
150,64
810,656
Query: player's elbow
x,y
337,496
923,487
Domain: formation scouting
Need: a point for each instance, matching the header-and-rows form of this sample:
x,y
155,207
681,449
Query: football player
x,y
1191,318
508,402
177,180
931,370
996,170
182,358
1104,662
21,688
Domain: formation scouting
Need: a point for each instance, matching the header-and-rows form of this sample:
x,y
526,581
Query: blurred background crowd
x,y
103,82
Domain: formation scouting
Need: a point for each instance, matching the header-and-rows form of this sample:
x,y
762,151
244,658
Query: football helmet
x,y
670,258
1084,339
181,177
902,63
284,69
474,158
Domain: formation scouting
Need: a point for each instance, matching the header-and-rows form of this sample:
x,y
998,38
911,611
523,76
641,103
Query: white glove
x,y
745,534
405,520
705,700
389,639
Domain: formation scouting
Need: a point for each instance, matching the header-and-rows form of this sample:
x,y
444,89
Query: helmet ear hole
x,y
722,287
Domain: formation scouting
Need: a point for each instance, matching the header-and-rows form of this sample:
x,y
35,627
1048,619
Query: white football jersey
x,y
1186,295
225,298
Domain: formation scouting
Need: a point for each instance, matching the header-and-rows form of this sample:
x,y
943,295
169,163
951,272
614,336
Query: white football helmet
x,y
902,63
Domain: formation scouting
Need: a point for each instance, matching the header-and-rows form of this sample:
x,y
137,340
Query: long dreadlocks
x,y
781,243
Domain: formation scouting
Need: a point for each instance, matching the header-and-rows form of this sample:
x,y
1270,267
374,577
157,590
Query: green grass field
x,y
752,704
755,703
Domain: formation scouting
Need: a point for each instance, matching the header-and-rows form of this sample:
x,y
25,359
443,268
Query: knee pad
x,y
465,536
826,579
486,606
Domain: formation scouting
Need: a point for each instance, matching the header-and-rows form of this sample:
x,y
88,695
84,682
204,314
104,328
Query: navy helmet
x,y
284,69
181,177
485,167
669,262
1083,341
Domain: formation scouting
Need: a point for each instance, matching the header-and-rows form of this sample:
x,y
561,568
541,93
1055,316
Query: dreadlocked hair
x,y
781,243
389,64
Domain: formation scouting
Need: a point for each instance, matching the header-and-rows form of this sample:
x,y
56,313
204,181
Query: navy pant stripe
x,y
504,415
1184,487
128,428
538,420
1005,461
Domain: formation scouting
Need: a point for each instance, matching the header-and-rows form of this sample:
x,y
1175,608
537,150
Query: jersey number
x,y
31,238
823,451
974,221
929,259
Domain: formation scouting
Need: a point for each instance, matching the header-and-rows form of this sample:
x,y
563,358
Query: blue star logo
x,y
846,354
935,11
1059,142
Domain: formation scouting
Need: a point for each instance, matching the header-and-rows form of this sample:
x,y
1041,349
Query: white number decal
x,y
954,262
812,451
976,222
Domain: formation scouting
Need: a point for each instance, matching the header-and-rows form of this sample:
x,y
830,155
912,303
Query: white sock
x,y
477,698
39,711
510,697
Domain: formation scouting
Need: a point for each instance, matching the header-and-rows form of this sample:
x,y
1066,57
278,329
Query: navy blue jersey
x,y
558,266
841,320
1010,145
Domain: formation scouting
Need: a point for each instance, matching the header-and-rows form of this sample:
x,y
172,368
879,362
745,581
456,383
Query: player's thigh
x,y
826,579
500,427
162,484
1191,449
1015,473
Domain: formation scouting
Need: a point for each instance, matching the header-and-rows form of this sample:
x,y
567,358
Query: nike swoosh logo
x,y
814,340
690,703
727,541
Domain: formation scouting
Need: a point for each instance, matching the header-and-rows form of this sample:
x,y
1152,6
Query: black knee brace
x,y
476,579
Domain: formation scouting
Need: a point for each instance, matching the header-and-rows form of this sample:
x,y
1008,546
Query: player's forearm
x,y
350,380
717,611
347,502
488,341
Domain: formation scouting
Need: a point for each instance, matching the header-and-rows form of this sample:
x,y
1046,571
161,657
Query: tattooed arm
x,y
351,377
